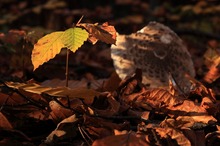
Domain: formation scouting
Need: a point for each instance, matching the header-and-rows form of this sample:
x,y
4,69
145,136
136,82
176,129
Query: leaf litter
x,y
95,114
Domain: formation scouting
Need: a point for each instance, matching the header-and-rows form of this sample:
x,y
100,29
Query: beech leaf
x,y
50,45
73,38
104,32
46,48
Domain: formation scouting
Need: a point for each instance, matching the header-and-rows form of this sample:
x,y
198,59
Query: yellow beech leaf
x,y
73,38
50,45
47,48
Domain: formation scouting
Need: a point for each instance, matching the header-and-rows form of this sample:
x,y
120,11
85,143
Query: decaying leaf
x,y
4,123
130,138
82,93
106,105
195,111
65,129
214,71
58,112
104,32
212,61
156,98
50,45
174,134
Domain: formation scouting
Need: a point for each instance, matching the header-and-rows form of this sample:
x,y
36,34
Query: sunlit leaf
x,y
47,48
50,45
73,38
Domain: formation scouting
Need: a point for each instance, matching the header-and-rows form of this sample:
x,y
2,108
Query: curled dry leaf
x,y
201,90
174,134
106,105
196,137
131,84
212,61
65,129
164,134
156,98
112,83
59,112
212,138
104,32
214,71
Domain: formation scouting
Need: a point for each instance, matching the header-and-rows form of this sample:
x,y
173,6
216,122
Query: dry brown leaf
x,y
201,90
59,112
99,122
192,110
130,139
104,32
106,105
65,129
12,99
213,138
212,61
100,128
178,123
196,137
175,134
83,93
4,123
112,83
156,98
214,71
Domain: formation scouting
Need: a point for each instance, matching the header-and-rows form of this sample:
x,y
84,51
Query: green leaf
x,y
73,38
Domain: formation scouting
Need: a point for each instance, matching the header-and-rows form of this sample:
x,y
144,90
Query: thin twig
x,y
82,133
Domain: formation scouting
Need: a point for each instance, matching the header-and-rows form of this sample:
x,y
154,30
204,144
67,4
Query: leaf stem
x,y
67,66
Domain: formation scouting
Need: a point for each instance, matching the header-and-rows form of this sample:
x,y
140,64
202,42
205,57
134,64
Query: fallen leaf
x,y
214,71
106,105
4,123
58,112
130,139
65,129
174,134
212,138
